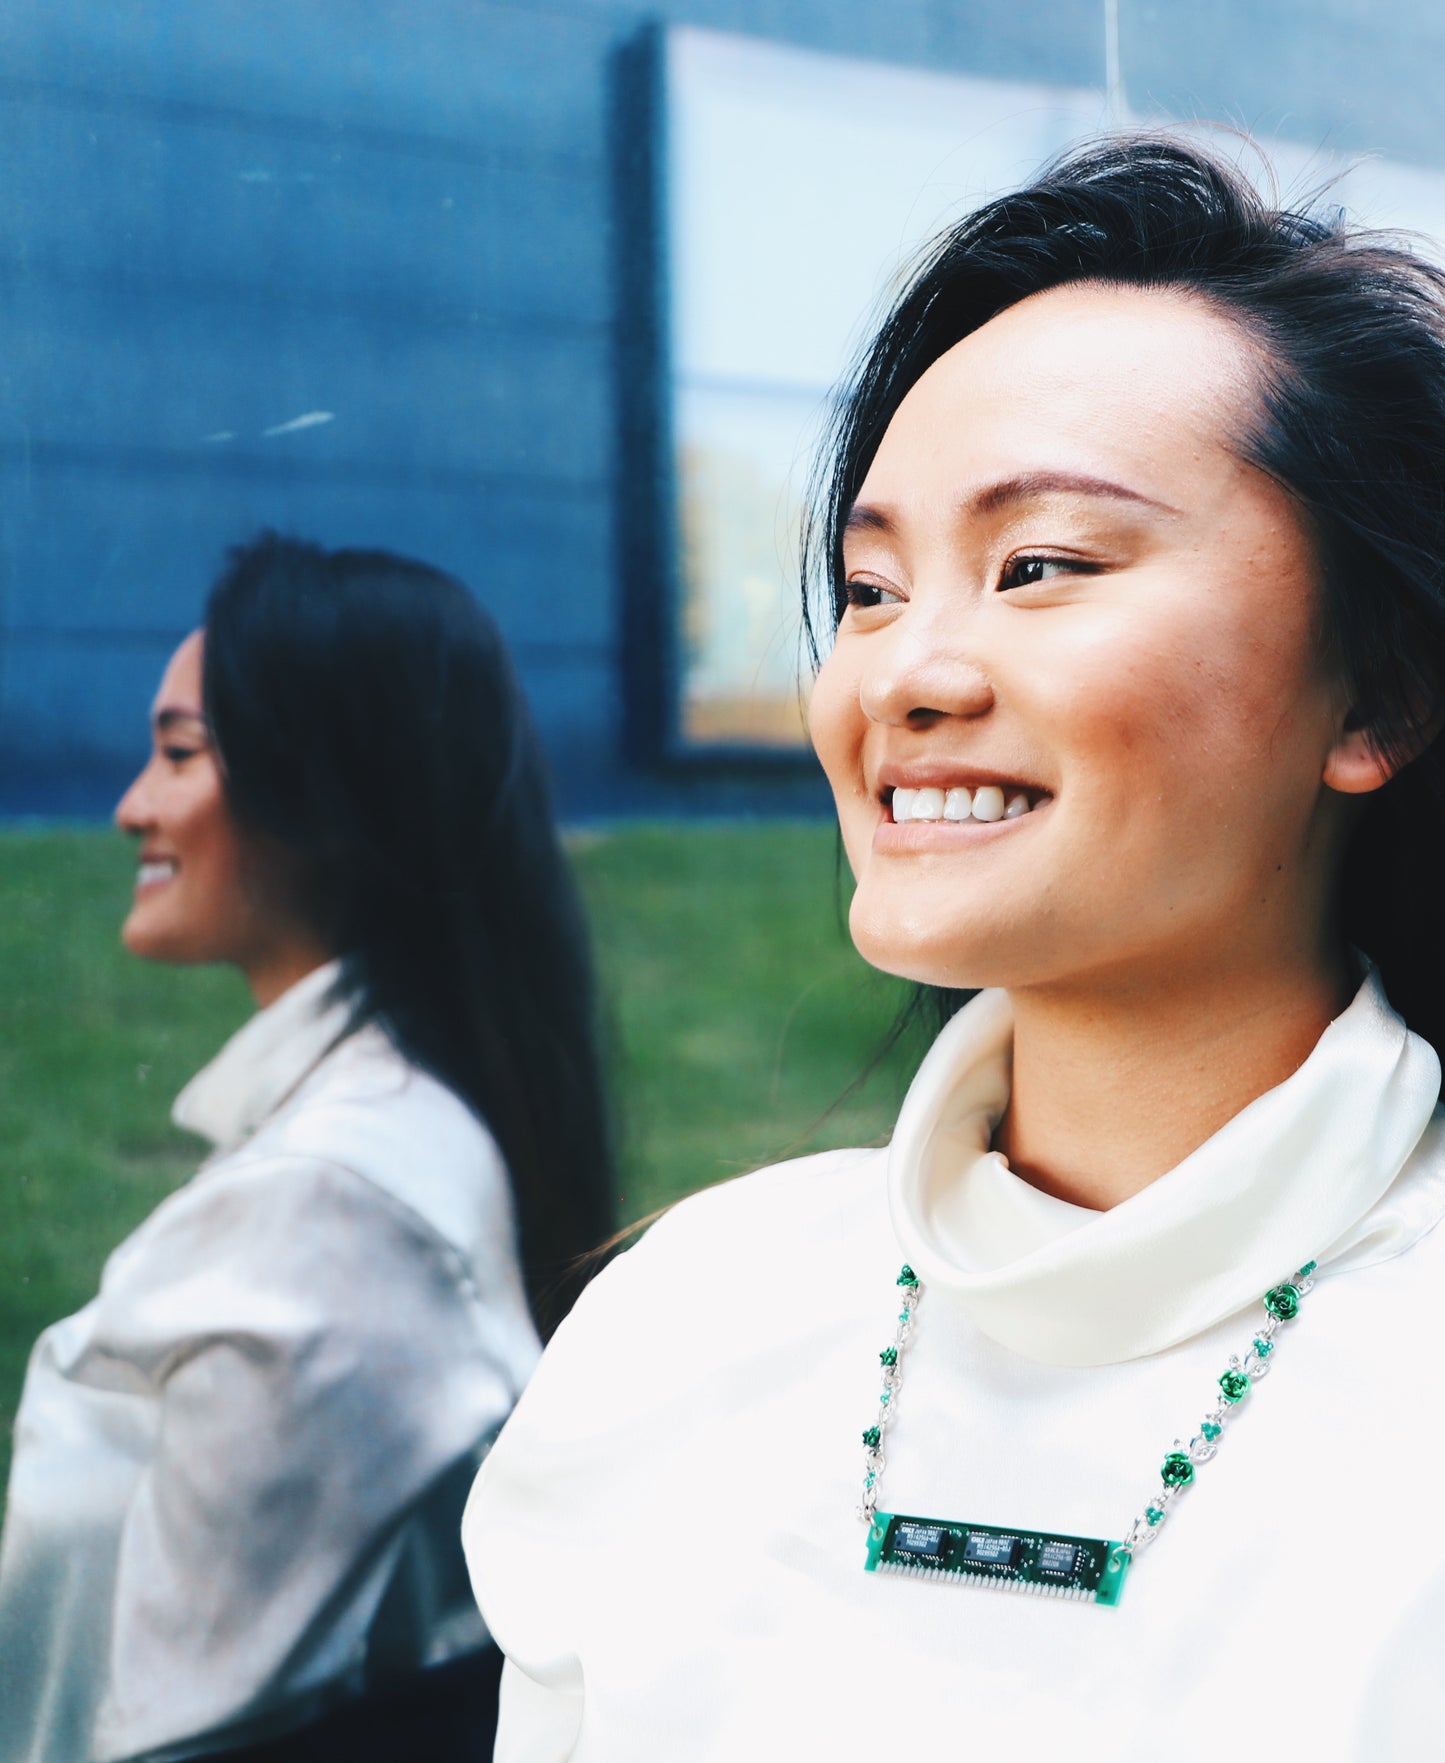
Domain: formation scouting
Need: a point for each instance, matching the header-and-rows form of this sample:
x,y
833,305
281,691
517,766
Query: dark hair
x,y
367,717
1349,330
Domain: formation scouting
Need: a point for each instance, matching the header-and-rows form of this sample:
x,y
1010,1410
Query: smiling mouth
x,y
958,803
155,871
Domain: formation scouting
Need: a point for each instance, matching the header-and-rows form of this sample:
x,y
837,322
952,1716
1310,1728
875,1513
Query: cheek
x,y
836,725
838,728
1138,711
1182,713
207,837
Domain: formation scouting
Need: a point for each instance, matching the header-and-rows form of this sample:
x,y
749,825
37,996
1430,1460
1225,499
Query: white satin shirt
x,y
235,1484
665,1539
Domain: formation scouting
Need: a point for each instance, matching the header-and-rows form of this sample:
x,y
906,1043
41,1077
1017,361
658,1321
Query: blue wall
x,y
216,218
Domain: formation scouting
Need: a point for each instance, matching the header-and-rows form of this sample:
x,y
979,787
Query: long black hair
x,y
1349,332
367,717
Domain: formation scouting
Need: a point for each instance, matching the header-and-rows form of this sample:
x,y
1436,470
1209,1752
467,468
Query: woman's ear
x,y
1354,765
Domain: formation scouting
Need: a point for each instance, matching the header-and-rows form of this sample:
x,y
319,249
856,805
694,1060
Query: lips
x,y
153,871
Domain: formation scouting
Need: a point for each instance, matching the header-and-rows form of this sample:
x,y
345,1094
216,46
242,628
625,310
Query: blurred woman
x,y
1133,539
239,1471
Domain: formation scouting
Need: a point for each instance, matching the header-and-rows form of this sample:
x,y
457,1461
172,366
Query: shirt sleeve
x,y
548,1508
540,1514
679,1329
322,1358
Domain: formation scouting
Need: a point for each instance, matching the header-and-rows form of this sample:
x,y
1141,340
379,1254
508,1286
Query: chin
x,y
145,946
951,962
156,942
964,958
133,937
936,949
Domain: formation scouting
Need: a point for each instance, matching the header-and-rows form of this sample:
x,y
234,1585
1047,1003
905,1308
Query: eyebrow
x,y
170,715
1008,492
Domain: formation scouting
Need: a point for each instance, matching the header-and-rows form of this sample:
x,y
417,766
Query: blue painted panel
x,y
164,368
512,78
230,212
902,31
1059,40
140,561
74,728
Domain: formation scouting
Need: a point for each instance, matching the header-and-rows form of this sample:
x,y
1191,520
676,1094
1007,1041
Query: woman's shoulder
x,y
786,1212
724,1297
368,1111
714,1275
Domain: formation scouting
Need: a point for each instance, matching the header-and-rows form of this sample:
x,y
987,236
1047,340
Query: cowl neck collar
x,y
1289,1179
264,1061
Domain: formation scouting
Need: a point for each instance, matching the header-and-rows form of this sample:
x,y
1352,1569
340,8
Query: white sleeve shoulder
x,y
650,1343
320,1358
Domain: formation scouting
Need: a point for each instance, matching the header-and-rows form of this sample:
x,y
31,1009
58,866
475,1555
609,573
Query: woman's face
x,y
206,890
1069,600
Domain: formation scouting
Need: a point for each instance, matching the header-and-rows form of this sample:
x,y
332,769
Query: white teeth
x,y
932,803
154,872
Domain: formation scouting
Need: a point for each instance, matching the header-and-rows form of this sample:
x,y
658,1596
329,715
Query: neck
x,y
273,973
1113,1086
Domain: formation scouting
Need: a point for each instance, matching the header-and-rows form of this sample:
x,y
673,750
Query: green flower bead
x,y
889,1356
1235,1385
1263,1347
1307,1269
1177,1470
1154,1514
1283,1302
872,1438
1211,1431
908,1277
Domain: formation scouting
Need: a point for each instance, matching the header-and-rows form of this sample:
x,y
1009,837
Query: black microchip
x,y
992,1551
1058,1557
929,1542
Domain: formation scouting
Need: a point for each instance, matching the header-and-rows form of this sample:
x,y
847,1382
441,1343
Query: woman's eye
x,y
1027,572
868,594
179,755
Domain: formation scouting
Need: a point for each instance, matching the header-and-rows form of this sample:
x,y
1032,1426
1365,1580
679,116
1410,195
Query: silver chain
x,y
892,1362
1281,1305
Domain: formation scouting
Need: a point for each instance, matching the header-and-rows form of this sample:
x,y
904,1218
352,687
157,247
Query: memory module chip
x,y
1041,1562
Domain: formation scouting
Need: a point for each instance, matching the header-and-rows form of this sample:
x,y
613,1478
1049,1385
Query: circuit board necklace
x,y
1091,1569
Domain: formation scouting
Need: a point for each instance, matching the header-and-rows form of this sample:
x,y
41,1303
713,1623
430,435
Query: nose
x,y
132,812
921,671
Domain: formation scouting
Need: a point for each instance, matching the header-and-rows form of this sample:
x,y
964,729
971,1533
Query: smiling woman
x,y
1133,535
232,1520
1129,654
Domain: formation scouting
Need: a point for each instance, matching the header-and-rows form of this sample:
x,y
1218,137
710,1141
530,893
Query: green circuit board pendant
x,y
1041,1562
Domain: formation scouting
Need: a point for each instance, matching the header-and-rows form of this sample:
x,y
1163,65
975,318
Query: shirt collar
x,y
264,1062
1289,1179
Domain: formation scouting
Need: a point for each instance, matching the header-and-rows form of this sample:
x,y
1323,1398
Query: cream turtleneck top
x,y
664,1539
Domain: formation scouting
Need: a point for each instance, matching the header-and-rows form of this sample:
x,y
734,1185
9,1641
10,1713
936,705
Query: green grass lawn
x,y
738,1014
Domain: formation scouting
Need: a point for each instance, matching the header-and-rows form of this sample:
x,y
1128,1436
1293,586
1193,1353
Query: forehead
x,y
180,687
1151,383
